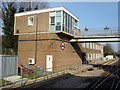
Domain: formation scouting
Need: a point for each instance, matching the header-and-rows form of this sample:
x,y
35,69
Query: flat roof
x,y
47,10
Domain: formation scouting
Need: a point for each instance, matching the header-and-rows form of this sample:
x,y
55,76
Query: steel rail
x,y
118,85
105,79
115,81
101,77
109,68
109,81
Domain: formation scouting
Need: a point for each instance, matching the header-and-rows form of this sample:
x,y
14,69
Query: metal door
x,y
49,63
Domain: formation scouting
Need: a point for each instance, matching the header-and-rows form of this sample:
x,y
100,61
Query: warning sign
x,y
62,46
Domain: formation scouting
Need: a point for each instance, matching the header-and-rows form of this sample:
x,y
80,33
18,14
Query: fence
x,y
34,78
8,65
38,75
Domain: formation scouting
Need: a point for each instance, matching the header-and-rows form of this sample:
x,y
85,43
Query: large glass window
x,y
58,20
62,21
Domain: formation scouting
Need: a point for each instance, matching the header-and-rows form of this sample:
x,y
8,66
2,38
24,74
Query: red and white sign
x,y
62,46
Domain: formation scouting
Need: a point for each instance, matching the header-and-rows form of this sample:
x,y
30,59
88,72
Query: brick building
x,y
44,40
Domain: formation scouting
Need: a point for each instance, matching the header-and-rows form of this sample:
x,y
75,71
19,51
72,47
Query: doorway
x,y
49,63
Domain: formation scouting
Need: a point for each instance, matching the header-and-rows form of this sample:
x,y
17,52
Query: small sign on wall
x,y
62,46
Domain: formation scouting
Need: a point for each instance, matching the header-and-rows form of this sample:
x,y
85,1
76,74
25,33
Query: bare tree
x,y
32,5
7,16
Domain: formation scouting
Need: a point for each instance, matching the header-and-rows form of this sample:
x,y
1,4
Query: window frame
x,y
29,21
51,20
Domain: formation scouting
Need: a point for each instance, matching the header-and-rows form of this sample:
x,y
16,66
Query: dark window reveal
x,y
52,20
58,28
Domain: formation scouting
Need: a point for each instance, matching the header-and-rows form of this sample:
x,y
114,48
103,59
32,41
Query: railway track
x,y
110,79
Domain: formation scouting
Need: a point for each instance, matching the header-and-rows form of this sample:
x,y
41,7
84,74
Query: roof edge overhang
x,y
46,10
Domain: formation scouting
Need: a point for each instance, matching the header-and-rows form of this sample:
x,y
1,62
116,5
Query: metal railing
x,y
100,31
37,76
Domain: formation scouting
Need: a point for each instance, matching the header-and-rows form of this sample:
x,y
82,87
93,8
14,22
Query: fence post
x,y
51,74
44,73
21,75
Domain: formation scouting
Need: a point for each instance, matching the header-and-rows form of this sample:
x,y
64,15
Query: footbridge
x,y
98,35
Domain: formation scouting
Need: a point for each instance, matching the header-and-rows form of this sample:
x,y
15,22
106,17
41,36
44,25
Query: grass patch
x,y
2,81
31,75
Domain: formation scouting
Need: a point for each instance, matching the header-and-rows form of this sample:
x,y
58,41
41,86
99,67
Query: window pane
x,y
68,30
30,20
58,13
63,17
58,23
66,20
90,45
52,19
63,28
87,45
52,28
75,23
83,44
58,20
71,22
58,28
52,13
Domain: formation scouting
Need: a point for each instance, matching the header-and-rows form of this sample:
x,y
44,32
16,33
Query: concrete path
x,y
13,78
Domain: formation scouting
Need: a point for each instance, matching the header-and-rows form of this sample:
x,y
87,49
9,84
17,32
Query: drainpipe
x,y
36,38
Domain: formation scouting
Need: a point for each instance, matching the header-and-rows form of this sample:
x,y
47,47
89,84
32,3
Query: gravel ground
x,y
80,80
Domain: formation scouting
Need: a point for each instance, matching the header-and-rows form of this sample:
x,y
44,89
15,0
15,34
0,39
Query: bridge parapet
x,y
100,31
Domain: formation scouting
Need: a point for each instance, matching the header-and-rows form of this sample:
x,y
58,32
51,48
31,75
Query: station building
x,y
44,37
